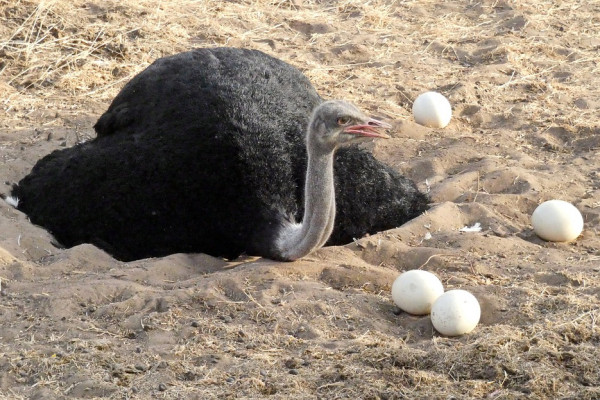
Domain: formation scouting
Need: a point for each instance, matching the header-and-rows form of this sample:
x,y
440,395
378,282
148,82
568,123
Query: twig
x,y
437,255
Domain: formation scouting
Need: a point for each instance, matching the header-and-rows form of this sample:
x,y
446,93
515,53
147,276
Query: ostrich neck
x,y
297,240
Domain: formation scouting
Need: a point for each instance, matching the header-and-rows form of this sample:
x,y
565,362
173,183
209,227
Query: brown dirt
x,y
523,79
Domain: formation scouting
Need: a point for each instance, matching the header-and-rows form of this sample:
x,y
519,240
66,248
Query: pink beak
x,y
369,129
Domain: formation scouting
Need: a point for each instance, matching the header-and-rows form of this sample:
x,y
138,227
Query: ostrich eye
x,y
343,120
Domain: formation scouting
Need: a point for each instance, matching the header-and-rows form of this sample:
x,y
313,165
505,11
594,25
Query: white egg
x,y
432,109
456,312
557,221
415,291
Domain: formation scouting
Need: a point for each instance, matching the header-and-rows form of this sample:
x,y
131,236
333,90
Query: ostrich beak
x,y
369,129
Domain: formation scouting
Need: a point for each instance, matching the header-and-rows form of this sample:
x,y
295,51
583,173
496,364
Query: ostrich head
x,y
336,122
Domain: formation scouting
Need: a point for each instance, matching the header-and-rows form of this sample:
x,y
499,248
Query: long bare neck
x,y
298,240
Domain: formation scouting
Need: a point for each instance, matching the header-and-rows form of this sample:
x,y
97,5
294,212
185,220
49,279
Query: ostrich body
x,y
218,151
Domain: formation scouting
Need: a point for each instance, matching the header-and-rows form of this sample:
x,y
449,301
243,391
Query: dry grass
x,y
54,49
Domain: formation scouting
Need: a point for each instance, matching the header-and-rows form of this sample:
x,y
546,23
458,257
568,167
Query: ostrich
x,y
219,151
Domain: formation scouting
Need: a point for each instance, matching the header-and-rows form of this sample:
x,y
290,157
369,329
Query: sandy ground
x,y
523,79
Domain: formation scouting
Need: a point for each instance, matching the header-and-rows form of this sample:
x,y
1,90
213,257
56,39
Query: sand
x,y
523,80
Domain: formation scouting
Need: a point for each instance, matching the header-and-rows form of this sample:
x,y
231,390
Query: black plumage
x,y
204,151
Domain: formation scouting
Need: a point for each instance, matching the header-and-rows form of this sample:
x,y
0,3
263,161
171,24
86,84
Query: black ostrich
x,y
219,151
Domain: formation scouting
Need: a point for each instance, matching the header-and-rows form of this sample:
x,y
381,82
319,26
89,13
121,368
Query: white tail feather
x,y
13,201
